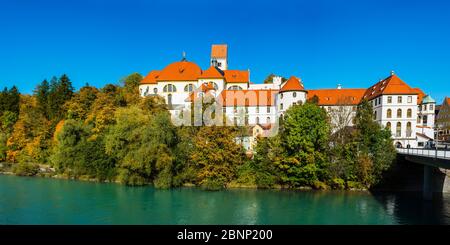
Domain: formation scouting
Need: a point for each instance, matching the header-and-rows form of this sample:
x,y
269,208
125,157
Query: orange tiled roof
x,y
150,78
420,95
292,84
212,72
235,76
391,85
219,51
337,96
247,97
180,71
447,99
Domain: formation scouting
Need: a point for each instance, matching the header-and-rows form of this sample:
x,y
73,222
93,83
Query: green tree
x,y
216,156
141,143
41,93
269,79
132,81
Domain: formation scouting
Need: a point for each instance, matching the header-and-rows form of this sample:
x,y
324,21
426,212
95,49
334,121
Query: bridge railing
x,y
439,153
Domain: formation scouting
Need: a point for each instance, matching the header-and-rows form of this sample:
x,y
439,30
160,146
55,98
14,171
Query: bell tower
x,y
219,56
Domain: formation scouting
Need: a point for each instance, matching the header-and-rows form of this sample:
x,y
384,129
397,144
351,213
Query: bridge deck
x,y
441,154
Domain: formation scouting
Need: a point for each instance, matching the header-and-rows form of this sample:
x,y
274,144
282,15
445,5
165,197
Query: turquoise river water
x,y
50,201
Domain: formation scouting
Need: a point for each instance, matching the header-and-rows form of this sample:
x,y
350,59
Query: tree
x,y
216,156
77,154
42,93
376,149
80,104
132,81
61,90
141,143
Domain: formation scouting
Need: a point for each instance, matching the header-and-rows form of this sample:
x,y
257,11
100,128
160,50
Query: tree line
x,y
114,134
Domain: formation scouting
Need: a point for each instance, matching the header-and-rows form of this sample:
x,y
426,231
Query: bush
x,y
25,169
211,184
319,185
338,184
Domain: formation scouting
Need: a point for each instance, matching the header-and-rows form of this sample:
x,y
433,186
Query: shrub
x,y
25,169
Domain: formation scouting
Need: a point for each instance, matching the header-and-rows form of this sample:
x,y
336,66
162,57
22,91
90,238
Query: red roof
x,y
219,51
247,97
150,78
180,71
292,84
338,96
391,85
447,99
212,72
235,76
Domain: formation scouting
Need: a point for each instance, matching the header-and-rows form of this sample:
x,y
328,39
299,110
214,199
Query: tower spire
x,y
184,56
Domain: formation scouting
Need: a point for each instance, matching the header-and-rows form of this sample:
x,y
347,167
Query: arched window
x,y
169,99
398,130
281,106
257,120
268,119
294,94
257,109
425,120
409,113
216,87
235,87
408,129
389,113
155,90
189,88
169,88
388,125
399,112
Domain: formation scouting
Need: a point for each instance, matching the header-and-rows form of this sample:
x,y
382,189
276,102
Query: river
x,y
25,200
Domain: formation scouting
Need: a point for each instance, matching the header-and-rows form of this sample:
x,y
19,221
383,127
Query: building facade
x,y
407,112
443,122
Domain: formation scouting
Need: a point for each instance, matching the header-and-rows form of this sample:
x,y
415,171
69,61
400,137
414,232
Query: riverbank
x,y
45,171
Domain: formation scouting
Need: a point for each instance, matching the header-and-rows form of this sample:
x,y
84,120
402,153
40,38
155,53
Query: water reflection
x,y
48,201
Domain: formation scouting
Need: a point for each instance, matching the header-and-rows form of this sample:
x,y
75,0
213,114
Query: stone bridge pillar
x,y
427,182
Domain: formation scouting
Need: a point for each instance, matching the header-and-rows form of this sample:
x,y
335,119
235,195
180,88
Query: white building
x,y
406,111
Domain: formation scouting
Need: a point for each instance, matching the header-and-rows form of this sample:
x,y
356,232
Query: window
x,y
257,120
235,109
246,120
424,107
281,106
399,113
399,99
418,119
398,131
189,88
409,99
268,119
420,144
425,120
257,109
389,113
268,109
389,99
408,129
235,121
431,107
216,87
169,88
235,87
379,101
281,96
155,90
409,113
224,110
388,125
169,99
375,115
376,102
294,94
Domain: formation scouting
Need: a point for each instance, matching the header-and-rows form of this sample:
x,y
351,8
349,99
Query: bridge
x,y
430,159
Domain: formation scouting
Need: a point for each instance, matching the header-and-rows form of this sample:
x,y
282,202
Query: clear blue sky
x,y
354,43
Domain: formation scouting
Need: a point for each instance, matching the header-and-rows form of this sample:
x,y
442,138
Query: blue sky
x,y
354,43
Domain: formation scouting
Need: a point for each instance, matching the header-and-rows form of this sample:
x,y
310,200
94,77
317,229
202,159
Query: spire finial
x,y
184,56
392,73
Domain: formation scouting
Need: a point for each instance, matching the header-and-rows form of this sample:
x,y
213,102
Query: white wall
x,y
288,99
